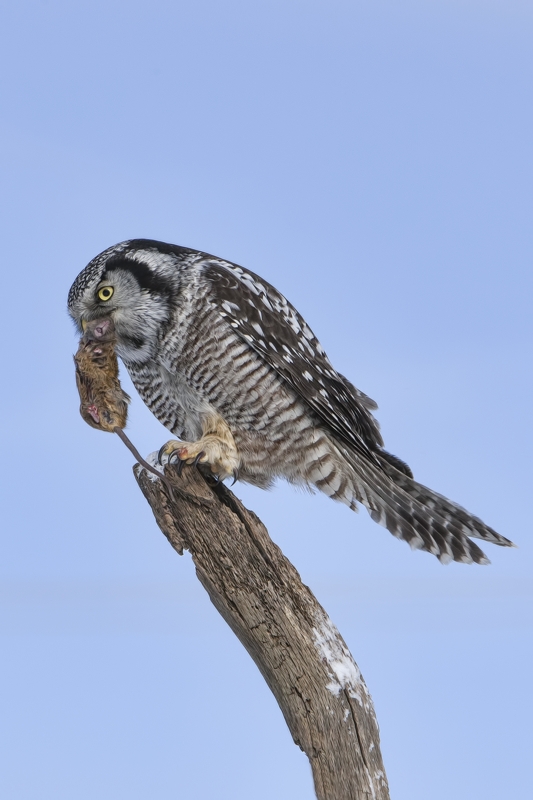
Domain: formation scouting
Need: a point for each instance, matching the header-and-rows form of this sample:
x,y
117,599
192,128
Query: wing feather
x,y
276,331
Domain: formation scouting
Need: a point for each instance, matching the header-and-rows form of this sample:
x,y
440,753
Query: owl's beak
x,y
84,324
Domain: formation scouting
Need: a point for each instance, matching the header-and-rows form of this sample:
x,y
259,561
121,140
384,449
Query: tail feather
x,y
470,524
413,512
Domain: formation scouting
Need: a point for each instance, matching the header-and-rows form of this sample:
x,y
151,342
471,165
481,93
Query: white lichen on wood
x,y
343,671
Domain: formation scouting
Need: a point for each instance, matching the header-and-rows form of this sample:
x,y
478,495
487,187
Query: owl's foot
x,y
218,453
216,448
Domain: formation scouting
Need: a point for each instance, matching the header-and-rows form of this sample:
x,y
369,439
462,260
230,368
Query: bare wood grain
x,y
299,652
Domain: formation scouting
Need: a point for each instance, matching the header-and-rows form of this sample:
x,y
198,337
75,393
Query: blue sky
x,y
373,161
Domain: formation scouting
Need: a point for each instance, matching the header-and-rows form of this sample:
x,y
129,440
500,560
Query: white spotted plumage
x,y
201,336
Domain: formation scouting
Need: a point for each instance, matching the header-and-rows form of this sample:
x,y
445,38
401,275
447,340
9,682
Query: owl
x,y
233,371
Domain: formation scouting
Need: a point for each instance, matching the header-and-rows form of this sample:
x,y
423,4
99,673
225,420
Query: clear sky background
x,y
373,160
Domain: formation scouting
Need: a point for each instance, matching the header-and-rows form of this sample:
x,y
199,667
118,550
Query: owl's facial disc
x,y
137,305
135,292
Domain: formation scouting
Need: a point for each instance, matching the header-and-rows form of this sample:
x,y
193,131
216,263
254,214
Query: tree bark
x,y
298,650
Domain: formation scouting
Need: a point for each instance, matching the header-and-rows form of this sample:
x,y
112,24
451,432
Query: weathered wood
x,y
298,650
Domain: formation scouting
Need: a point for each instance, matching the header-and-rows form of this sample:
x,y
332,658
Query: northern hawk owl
x,y
228,365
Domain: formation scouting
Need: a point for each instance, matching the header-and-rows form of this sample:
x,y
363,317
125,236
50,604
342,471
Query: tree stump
x,y
298,650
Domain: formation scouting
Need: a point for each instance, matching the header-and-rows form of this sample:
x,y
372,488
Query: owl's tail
x,y
410,511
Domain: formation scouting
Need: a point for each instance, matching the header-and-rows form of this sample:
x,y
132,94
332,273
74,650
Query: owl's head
x,y
137,284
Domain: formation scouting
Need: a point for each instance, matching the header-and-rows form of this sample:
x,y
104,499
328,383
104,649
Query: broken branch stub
x,y
298,650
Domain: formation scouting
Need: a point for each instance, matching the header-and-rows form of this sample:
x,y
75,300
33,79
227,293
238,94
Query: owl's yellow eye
x,y
105,293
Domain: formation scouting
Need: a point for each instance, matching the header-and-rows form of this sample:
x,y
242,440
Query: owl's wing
x,y
273,328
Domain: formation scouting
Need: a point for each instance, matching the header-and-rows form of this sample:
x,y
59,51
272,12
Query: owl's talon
x,y
174,458
214,449
198,458
235,476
